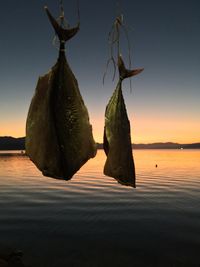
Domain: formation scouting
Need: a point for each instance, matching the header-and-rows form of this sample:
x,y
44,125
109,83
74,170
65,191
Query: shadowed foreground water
x,y
94,221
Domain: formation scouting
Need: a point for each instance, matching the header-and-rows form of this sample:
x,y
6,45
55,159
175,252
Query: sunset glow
x,y
143,130
164,103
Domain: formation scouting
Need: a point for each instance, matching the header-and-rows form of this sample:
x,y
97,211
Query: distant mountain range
x,y
11,143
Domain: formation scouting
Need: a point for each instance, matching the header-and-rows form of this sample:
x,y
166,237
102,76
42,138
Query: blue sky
x,y
165,40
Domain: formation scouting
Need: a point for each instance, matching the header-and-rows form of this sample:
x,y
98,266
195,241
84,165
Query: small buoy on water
x,y
156,166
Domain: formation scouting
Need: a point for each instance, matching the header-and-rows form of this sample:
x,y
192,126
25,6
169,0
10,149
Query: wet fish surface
x,y
59,136
117,138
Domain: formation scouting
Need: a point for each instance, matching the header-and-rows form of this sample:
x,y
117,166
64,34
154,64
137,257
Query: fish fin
x,y
63,34
134,72
125,73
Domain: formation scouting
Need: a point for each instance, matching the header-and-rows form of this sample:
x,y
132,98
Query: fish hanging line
x,y
63,22
114,39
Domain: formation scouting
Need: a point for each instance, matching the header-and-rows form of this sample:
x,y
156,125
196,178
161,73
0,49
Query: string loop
x,y
114,43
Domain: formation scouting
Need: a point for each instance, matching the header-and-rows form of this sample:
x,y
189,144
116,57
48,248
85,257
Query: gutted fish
x,y
59,136
117,139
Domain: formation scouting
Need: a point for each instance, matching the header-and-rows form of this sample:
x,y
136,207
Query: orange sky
x,y
143,129
164,103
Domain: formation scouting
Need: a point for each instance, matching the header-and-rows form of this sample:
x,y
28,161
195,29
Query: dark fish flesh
x,y
117,139
59,136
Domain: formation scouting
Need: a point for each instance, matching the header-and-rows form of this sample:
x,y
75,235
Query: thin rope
x,y
114,38
63,22
62,14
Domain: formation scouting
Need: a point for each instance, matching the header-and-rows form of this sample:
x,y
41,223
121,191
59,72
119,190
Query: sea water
x,y
92,220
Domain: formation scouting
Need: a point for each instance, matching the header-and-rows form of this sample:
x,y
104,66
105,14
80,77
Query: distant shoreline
x,y
12,153
8,143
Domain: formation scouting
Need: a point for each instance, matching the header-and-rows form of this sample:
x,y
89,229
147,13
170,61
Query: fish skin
x,y
117,140
117,137
59,136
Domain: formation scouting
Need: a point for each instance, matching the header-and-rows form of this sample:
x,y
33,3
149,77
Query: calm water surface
x,y
94,221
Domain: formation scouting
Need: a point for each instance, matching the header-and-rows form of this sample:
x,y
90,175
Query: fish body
x,y
59,136
117,136
117,140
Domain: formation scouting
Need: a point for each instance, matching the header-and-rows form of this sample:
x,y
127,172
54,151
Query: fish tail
x,y
63,34
125,73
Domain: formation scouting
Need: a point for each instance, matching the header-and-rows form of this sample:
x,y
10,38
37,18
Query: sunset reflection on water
x,y
92,212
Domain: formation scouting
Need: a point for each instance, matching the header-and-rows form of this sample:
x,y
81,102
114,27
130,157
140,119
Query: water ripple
x,y
163,211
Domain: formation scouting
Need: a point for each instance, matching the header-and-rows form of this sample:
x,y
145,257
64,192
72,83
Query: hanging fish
x,y
117,140
59,136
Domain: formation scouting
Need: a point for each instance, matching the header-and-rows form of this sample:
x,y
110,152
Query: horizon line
x,y
156,142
